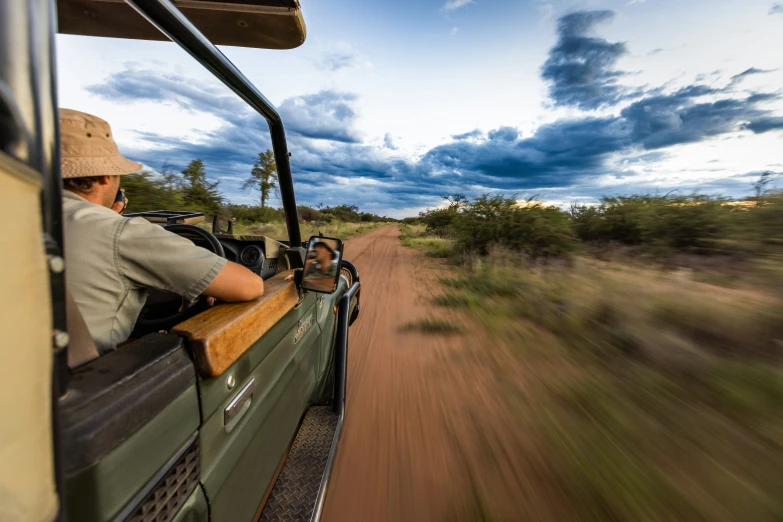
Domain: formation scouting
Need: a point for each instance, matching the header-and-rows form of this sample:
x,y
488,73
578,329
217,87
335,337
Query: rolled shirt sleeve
x,y
150,256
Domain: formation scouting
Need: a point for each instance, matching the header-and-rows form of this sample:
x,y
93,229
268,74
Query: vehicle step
x,y
294,495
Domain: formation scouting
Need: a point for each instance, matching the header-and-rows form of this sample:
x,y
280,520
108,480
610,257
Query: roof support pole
x,y
171,22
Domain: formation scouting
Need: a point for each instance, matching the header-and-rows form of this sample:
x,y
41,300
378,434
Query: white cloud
x,y
451,5
454,30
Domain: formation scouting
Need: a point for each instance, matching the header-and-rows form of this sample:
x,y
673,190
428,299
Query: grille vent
x,y
174,489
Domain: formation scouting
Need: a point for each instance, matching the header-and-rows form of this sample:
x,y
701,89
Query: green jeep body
x,y
148,432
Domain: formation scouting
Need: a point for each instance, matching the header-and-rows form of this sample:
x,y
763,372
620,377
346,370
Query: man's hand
x,y
119,206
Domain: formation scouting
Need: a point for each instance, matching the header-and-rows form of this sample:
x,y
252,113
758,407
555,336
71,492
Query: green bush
x,y
308,214
346,213
530,227
253,214
700,224
691,223
439,221
764,220
679,223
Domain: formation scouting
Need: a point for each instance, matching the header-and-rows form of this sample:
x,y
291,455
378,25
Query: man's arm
x,y
153,257
235,283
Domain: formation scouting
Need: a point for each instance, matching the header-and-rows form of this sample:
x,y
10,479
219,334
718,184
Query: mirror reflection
x,y
322,265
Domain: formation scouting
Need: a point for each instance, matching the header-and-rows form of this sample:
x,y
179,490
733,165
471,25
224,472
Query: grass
x,y
456,300
414,236
433,326
657,394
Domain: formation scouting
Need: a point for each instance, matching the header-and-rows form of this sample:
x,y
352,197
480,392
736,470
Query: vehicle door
x,y
251,410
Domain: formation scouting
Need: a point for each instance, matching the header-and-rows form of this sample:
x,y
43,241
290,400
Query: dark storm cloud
x,y
566,153
765,124
557,155
504,133
134,84
572,151
580,67
674,119
562,159
328,115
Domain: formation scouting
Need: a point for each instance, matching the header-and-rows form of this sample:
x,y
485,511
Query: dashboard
x,y
247,250
250,254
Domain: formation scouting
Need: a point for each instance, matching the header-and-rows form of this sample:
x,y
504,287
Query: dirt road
x,y
408,448
393,463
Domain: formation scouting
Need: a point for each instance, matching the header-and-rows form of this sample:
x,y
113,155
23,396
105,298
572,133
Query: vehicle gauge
x,y
251,255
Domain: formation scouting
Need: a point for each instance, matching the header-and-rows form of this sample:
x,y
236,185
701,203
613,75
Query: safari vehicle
x,y
233,414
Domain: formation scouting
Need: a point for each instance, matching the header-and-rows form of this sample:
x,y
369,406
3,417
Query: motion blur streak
x,y
594,386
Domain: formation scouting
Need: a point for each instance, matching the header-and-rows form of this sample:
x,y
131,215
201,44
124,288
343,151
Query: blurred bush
x,y
657,225
147,191
308,214
253,214
529,227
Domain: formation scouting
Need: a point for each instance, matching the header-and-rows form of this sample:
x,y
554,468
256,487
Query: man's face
x,y
324,256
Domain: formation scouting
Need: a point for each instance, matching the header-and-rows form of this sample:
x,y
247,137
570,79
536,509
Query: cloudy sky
x,y
391,103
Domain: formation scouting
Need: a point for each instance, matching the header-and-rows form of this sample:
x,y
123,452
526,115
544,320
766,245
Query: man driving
x,y
112,260
322,263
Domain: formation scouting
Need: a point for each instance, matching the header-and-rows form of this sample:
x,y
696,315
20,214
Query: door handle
x,y
239,403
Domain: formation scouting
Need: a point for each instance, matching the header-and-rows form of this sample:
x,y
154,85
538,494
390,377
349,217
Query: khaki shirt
x,y
112,260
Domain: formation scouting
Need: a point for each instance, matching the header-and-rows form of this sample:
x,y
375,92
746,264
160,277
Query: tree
x,y
263,176
456,201
171,178
148,191
760,186
198,193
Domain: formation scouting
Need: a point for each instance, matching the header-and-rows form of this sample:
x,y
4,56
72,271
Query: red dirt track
x,y
426,438
394,460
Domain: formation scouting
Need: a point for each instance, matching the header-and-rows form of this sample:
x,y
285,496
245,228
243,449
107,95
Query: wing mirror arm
x,y
298,273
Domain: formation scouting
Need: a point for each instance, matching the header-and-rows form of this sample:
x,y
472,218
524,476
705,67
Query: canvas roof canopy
x,y
266,24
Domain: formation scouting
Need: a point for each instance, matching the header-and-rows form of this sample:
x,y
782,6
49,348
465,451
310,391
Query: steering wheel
x,y
183,230
163,319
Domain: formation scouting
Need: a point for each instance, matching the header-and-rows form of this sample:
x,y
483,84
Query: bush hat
x,y
87,147
326,246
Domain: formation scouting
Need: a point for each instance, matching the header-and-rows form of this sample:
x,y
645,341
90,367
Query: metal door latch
x,y
238,405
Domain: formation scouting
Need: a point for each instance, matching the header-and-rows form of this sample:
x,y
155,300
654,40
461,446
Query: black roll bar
x,y
340,371
171,22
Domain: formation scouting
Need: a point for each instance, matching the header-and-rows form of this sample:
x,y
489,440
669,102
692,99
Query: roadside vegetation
x,y
191,189
650,333
433,326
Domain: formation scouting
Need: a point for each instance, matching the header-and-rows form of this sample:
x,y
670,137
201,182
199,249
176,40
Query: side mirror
x,y
322,264
216,225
